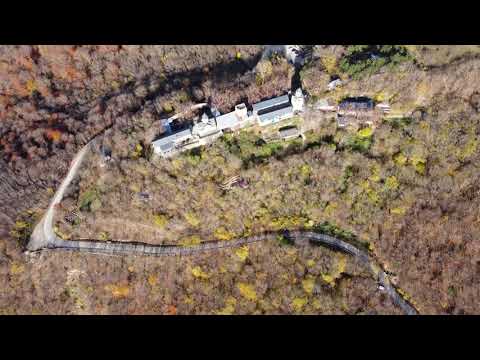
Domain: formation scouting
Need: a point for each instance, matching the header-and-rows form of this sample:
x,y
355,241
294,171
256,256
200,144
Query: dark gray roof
x,y
360,103
265,118
271,102
291,131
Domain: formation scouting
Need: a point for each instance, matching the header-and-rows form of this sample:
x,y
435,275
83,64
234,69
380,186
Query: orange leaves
x,y
171,310
53,134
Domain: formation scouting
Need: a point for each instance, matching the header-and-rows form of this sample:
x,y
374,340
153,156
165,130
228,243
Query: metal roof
x,y
167,147
265,118
226,121
357,103
172,138
291,131
271,102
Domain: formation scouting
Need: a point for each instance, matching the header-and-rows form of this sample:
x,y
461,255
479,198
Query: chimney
x,y
241,111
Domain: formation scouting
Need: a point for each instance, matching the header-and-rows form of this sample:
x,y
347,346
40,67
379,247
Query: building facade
x,y
208,129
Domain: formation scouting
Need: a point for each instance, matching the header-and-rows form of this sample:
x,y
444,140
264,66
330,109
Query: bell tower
x,y
298,101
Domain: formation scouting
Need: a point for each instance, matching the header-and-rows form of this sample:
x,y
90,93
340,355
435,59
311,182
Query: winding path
x,y
43,237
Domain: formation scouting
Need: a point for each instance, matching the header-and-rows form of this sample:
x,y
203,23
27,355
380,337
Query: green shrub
x,y
23,227
86,199
398,122
349,170
358,143
333,230
284,241
368,59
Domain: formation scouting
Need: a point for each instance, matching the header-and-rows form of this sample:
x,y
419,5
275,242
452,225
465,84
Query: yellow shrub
x,y
365,133
419,164
337,271
17,268
247,291
188,300
103,236
330,63
308,285
229,308
118,291
298,304
375,177
401,210
60,234
167,107
341,265
190,241
192,219
160,220
372,195
223,234
31,86
137,151
199,273
134,188
305,170
400,159
242,252
287,222
152,280
391,183
309,224
19,225
329,279
177,163
380,97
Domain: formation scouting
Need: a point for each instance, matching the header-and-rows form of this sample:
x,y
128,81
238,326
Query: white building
x,y
208,129
236,119
298,101
205,127
273,110
170,145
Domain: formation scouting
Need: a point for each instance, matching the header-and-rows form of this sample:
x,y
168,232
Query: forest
x,y
408,189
